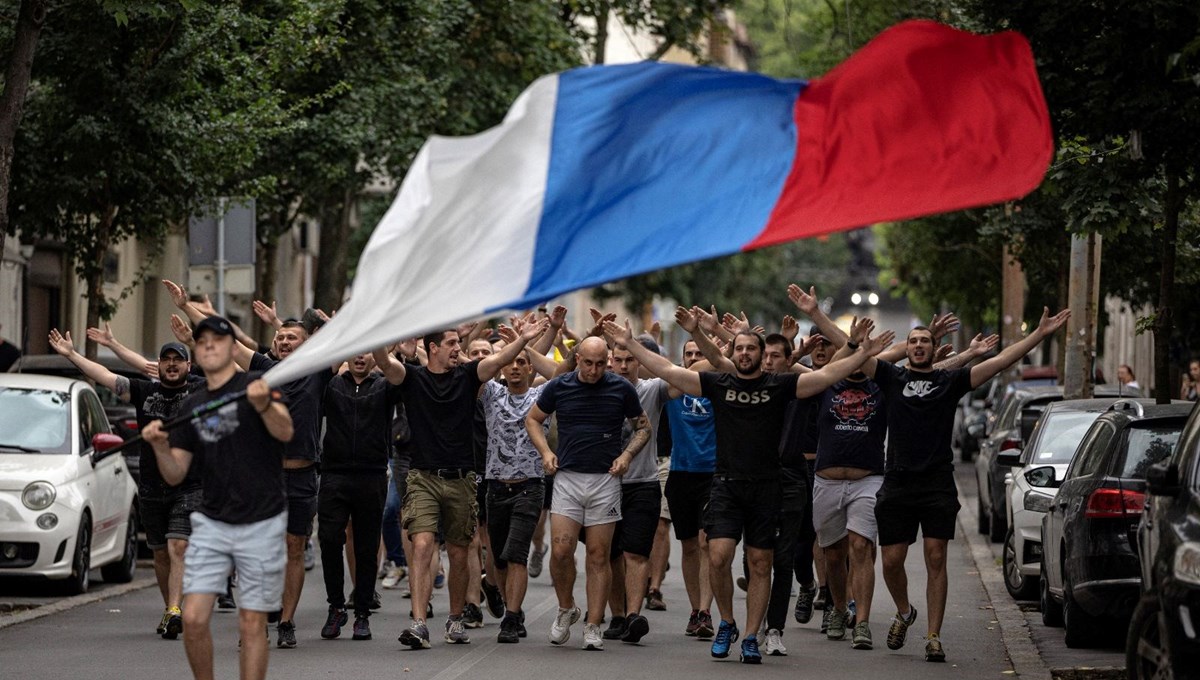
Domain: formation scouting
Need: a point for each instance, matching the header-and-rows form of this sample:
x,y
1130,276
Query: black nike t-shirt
x,y
920,410
241,464
749,415
156,401
441,415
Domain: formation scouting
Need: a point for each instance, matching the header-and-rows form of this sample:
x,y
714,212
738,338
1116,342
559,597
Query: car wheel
x,y
122,570
1083,630
1052,613
998,525
1147,653
77,583
1018,585
984,522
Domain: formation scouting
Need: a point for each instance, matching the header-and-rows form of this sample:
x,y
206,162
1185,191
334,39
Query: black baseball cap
x,y
176,347
217,324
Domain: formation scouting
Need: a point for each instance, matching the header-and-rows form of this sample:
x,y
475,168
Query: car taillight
x,y
1010,444
1114,503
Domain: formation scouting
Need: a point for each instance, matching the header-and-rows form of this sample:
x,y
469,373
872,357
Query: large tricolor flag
x,y
604,172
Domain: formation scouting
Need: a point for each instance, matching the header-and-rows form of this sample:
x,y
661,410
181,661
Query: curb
x,y
1014,629
69,603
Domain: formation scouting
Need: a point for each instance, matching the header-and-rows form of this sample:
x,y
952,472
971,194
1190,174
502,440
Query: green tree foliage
x,y
134,122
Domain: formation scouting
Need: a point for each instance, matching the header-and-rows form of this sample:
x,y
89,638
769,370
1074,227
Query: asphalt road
x,y
114,638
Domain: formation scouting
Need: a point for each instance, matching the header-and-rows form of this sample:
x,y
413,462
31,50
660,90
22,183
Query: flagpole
x,y
177,420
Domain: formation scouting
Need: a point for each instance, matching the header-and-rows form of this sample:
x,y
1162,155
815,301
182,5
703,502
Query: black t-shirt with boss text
x,y
749,414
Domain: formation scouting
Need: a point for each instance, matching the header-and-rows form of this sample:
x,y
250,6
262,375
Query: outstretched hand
x,y
1048,325
178,295
621,335
805,302
268,315
707,319
982,345
873,346
941,326
181,330
686,319
860,329
104,338
61,343
790,328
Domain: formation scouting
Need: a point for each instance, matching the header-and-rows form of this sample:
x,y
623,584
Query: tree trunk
x,y
336,225
267,273
12,101
601,34
94,276
1163,321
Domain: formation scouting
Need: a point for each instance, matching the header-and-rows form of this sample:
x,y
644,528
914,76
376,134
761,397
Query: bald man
x,y
592,405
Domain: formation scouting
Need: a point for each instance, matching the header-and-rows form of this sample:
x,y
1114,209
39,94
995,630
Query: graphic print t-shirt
x,y
693,434
241,464
510,454
853,424
749,417
920,409
155,401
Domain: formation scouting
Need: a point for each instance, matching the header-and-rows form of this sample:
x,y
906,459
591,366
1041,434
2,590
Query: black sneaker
x,y
472,616
226,601
428,611
616,628
287,635
174,624
823,599
521,632
636,627
376,600
275,616
495,599
333,623
805,604
362,629
510,629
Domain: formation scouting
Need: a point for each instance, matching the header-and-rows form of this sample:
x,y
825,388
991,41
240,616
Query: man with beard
x,y
163,509
918,490
240,523
745,497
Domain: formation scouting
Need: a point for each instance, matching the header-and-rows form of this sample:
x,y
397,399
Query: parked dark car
x,y
1163,634
1090,570
1017,416
970,420
122,415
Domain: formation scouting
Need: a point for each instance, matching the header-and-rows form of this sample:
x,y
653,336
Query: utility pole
x,y
1083,290
1012,308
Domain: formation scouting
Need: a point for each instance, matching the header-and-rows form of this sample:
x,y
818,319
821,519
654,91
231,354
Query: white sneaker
x,y
592,638
560,630
774,645
383,568
393,577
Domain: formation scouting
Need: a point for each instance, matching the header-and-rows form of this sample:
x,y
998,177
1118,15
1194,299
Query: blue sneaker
x,y
439,581
750,653
727,634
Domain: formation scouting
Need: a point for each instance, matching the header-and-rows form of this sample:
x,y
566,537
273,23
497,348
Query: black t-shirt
x,y
853,424
305,396
441,416
8,355
920,415
155,401
798,437
241,464
749,416
590,416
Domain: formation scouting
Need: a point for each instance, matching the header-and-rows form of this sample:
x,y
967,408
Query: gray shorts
x,y
589,498
258,551
841,505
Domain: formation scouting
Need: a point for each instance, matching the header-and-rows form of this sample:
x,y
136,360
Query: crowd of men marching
x,y
812,453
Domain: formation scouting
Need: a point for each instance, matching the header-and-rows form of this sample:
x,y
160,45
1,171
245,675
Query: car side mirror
x,y
1162,479
1009,458
102,443
1042,478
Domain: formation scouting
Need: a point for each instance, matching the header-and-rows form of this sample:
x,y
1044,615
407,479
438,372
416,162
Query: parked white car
x,y
66,506
1034,483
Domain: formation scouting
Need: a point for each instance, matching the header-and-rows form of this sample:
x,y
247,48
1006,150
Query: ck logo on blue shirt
x,y
694,405
918,388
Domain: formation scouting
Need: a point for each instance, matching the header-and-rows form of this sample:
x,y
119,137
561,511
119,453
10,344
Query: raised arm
x,y
105,338
807,303
678,376
515,342
558,317
978,347
180,298
393,369
1047,326
542,364
690,321
534,423
268,315
118,384
815,382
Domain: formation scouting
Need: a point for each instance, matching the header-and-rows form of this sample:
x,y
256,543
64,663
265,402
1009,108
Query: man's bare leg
x,y
758,590
935,587
720,558
660,555
862,575
460,576
293,575
252,662
197,637
421,571
176,548
598,541
836,574
162,573
564,536
894,575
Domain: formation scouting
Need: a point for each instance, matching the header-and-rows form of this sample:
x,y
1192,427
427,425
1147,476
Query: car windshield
x,y
35,421
1059,435
1145,446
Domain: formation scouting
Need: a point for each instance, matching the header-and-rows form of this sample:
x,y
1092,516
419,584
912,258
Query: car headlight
x,y
1036,501
1187,562
38,495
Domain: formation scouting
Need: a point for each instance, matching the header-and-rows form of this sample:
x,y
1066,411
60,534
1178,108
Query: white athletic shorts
x,y
841,505
258,551
589,498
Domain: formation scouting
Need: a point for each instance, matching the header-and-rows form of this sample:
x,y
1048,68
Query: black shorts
x,y
906,501
744,506
687,496
167,515
640,503
549,495
513,513
301,485
808,532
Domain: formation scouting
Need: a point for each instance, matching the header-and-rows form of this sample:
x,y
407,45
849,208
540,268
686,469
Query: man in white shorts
x,y
592,405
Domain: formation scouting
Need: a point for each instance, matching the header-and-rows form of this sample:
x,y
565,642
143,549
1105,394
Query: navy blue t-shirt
x,y
590,416
921,415
853,424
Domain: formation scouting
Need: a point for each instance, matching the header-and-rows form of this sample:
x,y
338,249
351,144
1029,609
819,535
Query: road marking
x,y
470,660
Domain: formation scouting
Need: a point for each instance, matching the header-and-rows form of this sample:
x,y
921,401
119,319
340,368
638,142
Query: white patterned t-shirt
x,y
510,453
